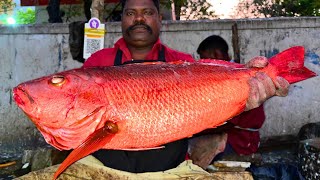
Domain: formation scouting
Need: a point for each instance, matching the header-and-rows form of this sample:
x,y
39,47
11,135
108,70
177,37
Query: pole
x,y
97,8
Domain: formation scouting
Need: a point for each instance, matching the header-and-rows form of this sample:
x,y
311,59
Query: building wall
x,y
28,52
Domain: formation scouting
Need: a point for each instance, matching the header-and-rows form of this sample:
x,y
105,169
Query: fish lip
x,y
17,98
19,93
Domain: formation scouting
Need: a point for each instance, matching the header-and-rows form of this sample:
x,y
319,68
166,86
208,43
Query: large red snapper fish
x,y
142,106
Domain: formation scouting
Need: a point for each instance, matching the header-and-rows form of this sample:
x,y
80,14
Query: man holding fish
x,y
141,23
143,113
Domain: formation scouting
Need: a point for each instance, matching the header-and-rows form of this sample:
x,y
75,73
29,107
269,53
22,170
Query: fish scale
x,y
181,107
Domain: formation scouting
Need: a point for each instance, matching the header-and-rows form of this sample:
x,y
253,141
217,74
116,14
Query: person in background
x,y
141,23
214,47
242,132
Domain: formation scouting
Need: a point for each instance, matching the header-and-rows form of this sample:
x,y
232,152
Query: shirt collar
x,y
122,45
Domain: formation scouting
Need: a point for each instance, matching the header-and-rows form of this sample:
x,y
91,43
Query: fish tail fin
x,y
93,143
290,65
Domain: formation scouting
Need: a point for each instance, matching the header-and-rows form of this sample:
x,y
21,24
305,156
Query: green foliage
x,y
3,18
195,10
25,17
287,8
301,7
177,6
191,9
71,11
180,3
21,16
6,5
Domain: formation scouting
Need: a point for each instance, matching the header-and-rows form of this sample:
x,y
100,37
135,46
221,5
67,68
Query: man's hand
x,y
203,149
262,87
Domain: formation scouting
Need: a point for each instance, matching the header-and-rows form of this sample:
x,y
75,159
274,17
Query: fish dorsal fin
x,y
217,62
93,143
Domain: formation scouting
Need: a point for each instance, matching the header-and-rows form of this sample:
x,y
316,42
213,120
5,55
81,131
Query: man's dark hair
x,y
213,42
156,3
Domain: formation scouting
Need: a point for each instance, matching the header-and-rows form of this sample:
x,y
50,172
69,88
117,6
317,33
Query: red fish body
x,y
151,104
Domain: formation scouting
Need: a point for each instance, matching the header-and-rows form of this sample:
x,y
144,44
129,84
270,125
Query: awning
x,y
45,2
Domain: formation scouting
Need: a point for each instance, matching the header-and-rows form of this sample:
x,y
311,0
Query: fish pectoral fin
x,y
93,143
143,149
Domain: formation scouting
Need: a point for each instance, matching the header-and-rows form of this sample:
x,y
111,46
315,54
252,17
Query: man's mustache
x,y
130,28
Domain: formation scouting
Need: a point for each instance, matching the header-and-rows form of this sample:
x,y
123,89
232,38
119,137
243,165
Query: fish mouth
x,y
25,102
21,96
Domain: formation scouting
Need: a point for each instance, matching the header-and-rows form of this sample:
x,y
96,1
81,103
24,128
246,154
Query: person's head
x,y
141,22
214,47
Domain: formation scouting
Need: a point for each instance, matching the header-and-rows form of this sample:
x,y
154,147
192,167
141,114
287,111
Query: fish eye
x,y
57,80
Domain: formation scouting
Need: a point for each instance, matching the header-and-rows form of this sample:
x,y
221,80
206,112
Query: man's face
x,y
140,23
